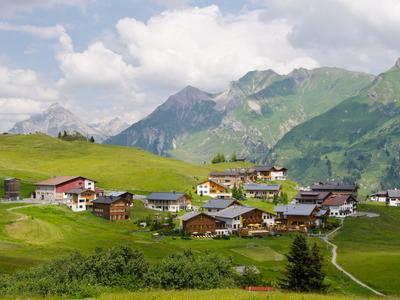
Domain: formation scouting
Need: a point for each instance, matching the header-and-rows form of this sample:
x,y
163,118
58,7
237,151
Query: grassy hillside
x,y
355,141
369,248
33,234
268,109
36,157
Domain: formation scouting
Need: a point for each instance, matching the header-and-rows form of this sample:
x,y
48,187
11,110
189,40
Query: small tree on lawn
x,y
233,157
91,139
303,272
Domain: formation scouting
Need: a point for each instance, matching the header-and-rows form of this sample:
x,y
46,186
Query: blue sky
x,y
103,59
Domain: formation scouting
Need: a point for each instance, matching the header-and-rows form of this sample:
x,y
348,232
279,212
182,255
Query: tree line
x,y
74,136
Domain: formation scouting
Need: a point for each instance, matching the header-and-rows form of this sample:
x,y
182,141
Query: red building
x,y
56,188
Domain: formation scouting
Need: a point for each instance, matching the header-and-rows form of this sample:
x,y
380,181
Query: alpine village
x,y
200,149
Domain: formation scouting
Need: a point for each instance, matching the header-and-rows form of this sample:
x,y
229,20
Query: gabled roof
x,y
117,193
381,193
233,211
262,187
307,195
394,193
193,214
59,180
79,191
107,199
168,196
219,203
337,200
333,186
295,209
210,180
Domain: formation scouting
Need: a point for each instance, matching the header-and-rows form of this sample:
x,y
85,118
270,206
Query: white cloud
x,y
22,93
205,48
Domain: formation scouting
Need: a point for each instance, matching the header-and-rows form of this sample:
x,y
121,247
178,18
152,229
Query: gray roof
x,y
218,203
381,193
394,193
168,196
322,212
190,215
233,211
106,199
333,186
295,209
306,195
262,187
78,191
117,193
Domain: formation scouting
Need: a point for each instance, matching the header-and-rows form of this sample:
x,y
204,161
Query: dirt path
x,y
335,263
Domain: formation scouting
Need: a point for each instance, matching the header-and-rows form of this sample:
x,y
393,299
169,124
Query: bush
x,y
188,271
250,277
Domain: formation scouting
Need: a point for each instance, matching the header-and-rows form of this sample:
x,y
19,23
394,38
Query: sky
x,y
122,58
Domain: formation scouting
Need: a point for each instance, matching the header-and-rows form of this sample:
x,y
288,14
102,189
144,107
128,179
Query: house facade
x,y
168,201
381,197
80,199
393,198
56,188
203,223
298,217
113,208
261,190
270,172
238,217
340,205
213,189
233,177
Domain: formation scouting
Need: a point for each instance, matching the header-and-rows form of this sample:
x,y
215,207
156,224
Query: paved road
x,y
334,262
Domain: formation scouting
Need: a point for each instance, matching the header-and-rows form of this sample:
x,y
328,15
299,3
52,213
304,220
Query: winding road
x,y
335,263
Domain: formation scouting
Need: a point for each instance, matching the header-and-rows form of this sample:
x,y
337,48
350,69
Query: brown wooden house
x,y
299,217
113,207
201,223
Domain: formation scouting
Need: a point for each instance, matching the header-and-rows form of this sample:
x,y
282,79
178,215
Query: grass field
x,y
223,294
370,248
37,156
82,231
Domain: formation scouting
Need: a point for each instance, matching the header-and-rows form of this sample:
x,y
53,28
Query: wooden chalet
x,y
202,223
113,207
261,190
298,217
80,199
216,205
232,177
311,197
213,189
270,172
169,201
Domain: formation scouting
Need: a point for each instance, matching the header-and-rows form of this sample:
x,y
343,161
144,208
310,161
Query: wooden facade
x,y
252,217
113,208
12,188
201,224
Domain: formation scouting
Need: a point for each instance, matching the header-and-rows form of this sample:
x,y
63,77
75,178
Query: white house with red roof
x,y
340,205
57,188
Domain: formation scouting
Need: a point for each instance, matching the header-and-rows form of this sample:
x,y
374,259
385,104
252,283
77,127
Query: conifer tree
x,y
303,272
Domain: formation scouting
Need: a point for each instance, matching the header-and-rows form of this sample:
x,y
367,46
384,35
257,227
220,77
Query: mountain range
x,y
57,119
357,140
247,119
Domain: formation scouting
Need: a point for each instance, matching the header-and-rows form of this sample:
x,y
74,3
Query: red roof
x,y
337,200
58,180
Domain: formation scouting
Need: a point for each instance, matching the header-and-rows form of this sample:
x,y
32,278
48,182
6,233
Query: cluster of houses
x,y
221,215
309,209
220,184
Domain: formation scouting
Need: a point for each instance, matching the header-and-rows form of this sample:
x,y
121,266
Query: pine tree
x,y
59,135
303,272
317,275
92,139
297,267
233,157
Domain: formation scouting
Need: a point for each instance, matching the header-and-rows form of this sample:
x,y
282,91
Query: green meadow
x,y
369,248
38,156
30,235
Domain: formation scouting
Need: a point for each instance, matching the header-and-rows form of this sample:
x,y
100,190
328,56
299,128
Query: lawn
x,y
57,231
370,248
223,294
